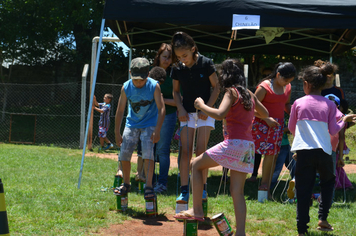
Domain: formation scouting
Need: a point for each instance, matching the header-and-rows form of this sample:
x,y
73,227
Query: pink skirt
x,y
235,154
267,140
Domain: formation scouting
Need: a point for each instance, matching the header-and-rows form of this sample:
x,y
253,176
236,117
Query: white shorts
x,y
195,122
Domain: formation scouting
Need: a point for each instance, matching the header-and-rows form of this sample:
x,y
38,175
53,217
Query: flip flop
x,y
325,228
186,216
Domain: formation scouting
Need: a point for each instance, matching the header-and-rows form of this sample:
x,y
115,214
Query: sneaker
x,y
291,189
109,146
100,149
183,198
159,188
205,195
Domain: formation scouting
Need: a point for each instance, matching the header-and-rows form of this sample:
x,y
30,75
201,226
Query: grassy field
x,y
42,197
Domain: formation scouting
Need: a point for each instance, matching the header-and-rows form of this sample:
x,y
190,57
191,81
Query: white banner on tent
x,y
245,22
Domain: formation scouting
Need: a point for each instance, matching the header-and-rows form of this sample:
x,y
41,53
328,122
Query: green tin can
x,y
117,181
205,207
190,228
141,187
122,202
151,207
222,225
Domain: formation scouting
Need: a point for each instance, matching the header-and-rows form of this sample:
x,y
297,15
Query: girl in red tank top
x,y
274,93
236,152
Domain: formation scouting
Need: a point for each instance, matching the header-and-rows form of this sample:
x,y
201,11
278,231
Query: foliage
x,y
38,32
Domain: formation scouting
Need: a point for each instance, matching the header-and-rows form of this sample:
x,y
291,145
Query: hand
x,y
294,156
350,118
183,115
202,115
198,103
340,163
155,137
271,122
118,140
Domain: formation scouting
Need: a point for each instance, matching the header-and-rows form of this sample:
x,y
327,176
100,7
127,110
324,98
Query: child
x,y
144,120
311,120
274,92
236,152
341,179
159,74
104,122
195,75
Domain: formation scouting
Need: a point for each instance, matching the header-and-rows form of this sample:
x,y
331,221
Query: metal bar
x,y
324,39
91,99
281,42
128,37
338,40
118,27
155,30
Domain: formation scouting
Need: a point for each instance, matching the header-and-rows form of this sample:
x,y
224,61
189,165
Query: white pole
x,y
91,99
83,97
130,58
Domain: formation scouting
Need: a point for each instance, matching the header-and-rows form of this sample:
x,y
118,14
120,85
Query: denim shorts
x,y
195,122
130,137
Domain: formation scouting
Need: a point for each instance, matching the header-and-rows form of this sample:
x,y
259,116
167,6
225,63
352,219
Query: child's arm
x,y
292,119
217,114
213,96
340,162
182,113
119,115
170,102
161,114
260,110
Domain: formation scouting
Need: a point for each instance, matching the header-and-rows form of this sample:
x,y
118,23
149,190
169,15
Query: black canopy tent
x,y
320,27
316,27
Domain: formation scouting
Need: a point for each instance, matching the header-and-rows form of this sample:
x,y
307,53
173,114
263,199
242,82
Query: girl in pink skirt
x,y
236,152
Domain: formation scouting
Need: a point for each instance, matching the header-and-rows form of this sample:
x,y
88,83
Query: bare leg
x,y
201,163
106,140
203,136
237,193
126,169
101,142
269,162
140,171
149,164
186,138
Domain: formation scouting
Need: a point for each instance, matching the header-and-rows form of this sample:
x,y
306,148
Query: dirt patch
x,y
163,225
159,226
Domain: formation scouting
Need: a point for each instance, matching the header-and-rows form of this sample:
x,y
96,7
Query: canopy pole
x,y
91,99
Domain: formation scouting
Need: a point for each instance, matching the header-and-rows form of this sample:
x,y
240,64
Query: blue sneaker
x,y
109,146
183,198
205,195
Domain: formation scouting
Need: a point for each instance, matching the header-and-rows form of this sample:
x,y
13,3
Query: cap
x,y
139,68
334,98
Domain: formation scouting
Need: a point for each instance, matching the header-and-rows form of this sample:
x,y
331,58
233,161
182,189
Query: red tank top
x,y
238,121
275,102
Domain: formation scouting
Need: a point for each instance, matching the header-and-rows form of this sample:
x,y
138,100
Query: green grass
x,y
42,197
